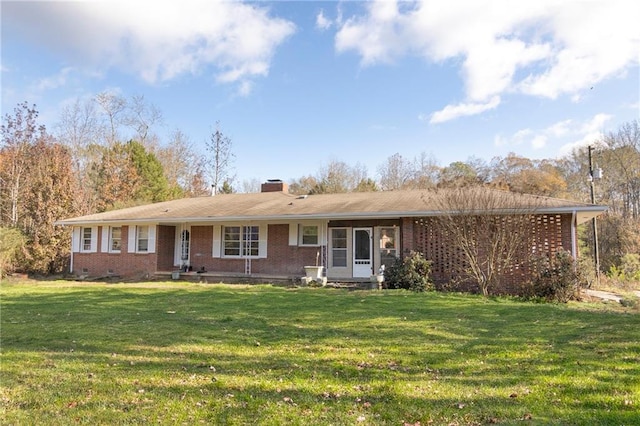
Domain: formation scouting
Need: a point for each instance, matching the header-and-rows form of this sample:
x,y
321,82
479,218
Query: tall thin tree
x,y
220,159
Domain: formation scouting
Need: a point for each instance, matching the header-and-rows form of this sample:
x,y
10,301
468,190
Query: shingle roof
x,y
355,205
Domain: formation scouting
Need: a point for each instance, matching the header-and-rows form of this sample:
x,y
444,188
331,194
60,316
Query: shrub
x,y
629,270
411,273
12,241
558,279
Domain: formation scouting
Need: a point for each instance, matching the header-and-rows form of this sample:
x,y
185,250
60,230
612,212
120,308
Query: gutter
x,y
326,216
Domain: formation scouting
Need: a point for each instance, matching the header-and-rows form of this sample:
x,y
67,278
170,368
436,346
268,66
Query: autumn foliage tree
x,y
20,132
37,189
127,175
115,176
50,198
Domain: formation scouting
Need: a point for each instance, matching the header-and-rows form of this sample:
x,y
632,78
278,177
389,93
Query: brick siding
x,y
120,264
549,234
282,259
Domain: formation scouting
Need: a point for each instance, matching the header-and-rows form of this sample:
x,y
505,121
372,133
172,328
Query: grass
x,y
183,353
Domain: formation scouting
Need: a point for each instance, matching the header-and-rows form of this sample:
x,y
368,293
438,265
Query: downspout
x,y
574,241
71,259
325,246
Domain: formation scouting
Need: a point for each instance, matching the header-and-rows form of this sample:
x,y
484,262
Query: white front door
x,y
362,252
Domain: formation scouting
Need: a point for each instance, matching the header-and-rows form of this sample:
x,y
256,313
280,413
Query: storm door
x,y
182,254
362,252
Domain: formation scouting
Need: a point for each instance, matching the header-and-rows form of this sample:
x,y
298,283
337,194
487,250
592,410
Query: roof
x,y
355,205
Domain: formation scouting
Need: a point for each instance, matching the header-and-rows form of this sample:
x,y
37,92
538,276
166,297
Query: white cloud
x,y
518,138
245,88
158,41
451,112
539,142
587,133
596,124
569,134
559,129
543,48
377,37
54,81
499,140
322,22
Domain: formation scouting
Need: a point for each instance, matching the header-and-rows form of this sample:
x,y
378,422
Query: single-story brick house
x,y
274,234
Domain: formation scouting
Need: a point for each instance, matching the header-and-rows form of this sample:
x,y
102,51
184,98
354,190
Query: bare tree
x,y
114,107
141,116
220,159
489,230
396,173
426,172
621,160
338,176
178,160
78,127
304,185
251,185
80,130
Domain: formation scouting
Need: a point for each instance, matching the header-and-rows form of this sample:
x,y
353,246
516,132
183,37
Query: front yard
x,y
184,353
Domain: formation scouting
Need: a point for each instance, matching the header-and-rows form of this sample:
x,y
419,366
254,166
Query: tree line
x,y
104,153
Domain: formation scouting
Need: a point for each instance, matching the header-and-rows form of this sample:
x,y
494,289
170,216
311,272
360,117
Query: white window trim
x,y
295,233
346,249
138,232
218,241
93,244
132,238
223,240
301,234
107,239
110,240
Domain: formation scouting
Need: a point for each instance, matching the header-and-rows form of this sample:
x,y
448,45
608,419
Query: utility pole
x,y
593,175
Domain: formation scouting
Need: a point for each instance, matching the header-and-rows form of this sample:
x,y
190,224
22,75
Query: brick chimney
x,y
274,185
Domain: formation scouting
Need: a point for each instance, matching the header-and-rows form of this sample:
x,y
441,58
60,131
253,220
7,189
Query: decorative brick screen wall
x,y
548,234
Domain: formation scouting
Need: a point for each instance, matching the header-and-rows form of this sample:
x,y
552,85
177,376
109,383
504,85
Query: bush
x,y
12,241
557,278
411,273
629,270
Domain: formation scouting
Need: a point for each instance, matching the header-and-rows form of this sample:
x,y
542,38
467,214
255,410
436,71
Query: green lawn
x,y
183,353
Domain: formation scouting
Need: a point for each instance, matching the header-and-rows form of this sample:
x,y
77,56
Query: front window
x,y
115,238
339,247
388,245
232,241
143,238
241,241
251,241
309,235
86,239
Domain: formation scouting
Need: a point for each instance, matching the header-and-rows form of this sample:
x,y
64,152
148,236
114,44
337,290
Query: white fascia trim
x,y
595,210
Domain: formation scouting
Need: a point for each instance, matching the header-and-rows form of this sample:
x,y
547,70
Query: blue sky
x,y
296,85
